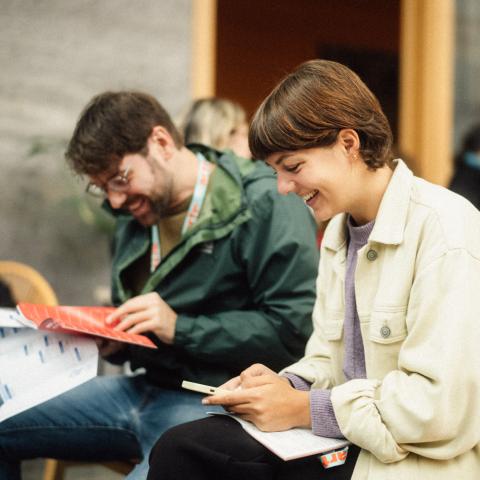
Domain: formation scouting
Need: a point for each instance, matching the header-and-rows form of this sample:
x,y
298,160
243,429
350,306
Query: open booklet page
x,y
36,366
87,320
9,317
293,443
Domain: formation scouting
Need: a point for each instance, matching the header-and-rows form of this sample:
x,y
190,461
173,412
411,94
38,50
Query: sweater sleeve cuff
x,y
324,422
298,383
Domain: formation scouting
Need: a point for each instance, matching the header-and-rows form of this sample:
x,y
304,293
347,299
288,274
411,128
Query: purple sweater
x,y
323,418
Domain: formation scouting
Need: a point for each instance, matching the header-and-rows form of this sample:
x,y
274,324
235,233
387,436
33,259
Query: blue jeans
x,y
107,418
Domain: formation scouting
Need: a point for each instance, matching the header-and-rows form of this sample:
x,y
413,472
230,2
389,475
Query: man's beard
x,y
160,207
161,204
157,208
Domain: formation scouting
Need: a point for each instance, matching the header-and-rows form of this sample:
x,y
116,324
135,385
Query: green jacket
x,y
242,279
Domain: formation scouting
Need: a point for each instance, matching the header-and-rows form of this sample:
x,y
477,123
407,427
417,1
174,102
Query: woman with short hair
x,y
393,362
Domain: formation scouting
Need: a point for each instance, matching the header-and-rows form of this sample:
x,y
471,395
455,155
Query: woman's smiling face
x,y
322,176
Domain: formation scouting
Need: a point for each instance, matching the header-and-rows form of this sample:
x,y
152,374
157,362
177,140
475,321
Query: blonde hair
x,y
212,121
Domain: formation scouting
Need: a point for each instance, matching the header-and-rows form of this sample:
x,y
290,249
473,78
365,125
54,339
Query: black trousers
x,y
219,448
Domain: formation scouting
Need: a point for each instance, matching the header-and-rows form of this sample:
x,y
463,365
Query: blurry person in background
x,y
218,123
466,178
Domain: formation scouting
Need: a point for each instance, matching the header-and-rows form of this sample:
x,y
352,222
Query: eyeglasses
x,y
118,183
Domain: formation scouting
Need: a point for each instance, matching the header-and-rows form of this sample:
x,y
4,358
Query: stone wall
x,y
55,55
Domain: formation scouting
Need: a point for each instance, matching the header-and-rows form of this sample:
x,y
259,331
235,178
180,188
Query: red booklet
x,y
88,320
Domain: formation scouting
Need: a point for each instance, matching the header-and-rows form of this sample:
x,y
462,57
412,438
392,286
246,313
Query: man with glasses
x,y
208,261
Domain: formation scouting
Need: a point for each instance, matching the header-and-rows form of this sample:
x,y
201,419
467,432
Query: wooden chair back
x,y
26,283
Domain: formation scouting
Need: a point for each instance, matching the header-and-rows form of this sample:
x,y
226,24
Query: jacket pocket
x,y
388,326
333,325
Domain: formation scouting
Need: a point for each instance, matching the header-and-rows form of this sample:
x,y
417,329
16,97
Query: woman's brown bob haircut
x,y
311,105
112,125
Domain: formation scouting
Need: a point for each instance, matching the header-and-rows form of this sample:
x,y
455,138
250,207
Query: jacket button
x,y
385,331
372,255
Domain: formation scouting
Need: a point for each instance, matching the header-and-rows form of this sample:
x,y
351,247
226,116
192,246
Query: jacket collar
x,y
391,218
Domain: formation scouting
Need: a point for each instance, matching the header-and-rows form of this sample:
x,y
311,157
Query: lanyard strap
x,y
198,194
192,214
155,255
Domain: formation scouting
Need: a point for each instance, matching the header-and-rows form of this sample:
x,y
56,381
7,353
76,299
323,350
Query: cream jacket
x,y
417,284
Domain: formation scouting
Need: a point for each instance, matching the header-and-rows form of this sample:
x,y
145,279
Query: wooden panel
x,y
426,107
204,40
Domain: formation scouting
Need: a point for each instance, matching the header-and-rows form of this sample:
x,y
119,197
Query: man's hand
x,y
266,399
145,313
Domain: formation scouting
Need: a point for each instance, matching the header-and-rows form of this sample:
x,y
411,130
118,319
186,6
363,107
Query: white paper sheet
x,y
9,317
36,366
293,443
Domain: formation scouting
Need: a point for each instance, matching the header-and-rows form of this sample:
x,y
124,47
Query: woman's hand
x,y
264,398
242,381
145,313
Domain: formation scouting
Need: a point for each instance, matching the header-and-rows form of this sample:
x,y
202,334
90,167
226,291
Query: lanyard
x,y
192,214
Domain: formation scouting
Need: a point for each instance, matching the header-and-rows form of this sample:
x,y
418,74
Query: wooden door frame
x,y
204,48
427,34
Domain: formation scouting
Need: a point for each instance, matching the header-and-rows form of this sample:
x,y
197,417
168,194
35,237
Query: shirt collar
x,y
391,218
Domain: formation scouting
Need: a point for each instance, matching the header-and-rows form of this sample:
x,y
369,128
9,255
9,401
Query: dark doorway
x,y
259,41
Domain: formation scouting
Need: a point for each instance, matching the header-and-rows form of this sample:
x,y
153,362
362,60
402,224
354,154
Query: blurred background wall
x,y
467,67
419,56
54,56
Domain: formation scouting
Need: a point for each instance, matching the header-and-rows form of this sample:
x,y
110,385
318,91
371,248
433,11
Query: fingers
x,y
116,316
135,304
142,327
146,313
243,388
235,397
255,370
252,382
232,384
133,319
